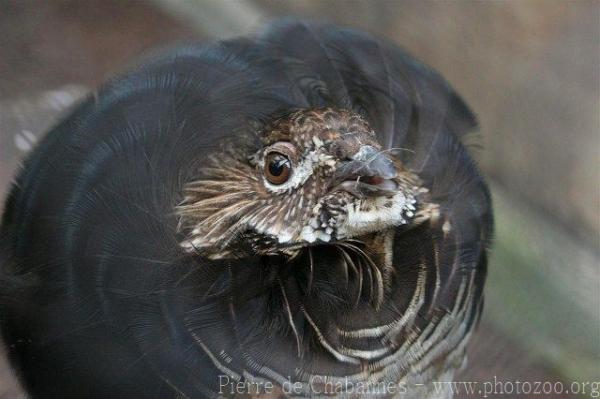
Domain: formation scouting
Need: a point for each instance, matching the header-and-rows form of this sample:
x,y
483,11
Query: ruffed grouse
x,y
290,214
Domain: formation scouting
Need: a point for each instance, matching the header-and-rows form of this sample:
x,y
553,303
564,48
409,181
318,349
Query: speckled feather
x,y
105,293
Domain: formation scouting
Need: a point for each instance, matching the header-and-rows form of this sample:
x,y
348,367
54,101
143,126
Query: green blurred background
x,y
529,69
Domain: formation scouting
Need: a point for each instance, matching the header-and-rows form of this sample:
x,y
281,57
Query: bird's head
x,y
318,176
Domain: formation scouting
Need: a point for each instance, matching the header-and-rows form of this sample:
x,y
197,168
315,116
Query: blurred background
x,y
530,70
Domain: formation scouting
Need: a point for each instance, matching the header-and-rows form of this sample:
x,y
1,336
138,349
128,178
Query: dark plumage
x,y
293,207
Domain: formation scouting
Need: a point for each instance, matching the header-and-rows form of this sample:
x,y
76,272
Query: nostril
x,y
374,163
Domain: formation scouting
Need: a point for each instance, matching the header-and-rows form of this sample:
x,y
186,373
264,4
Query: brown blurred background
x,y
529,69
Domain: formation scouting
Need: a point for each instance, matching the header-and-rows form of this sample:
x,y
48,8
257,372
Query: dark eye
x,y
277,168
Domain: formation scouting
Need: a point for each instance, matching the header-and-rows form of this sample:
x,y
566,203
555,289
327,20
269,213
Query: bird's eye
x,y
277,168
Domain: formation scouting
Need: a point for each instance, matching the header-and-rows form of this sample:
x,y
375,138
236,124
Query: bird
x,y
293,213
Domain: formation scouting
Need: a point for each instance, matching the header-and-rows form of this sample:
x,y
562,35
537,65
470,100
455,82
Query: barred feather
x,y
99,298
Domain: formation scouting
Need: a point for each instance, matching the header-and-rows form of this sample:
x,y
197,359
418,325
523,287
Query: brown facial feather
x,y
233,205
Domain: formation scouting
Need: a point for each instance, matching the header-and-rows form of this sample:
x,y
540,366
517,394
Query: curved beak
x,y
369,172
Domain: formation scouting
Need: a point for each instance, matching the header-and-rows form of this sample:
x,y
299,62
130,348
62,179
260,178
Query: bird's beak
x,y
369,173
